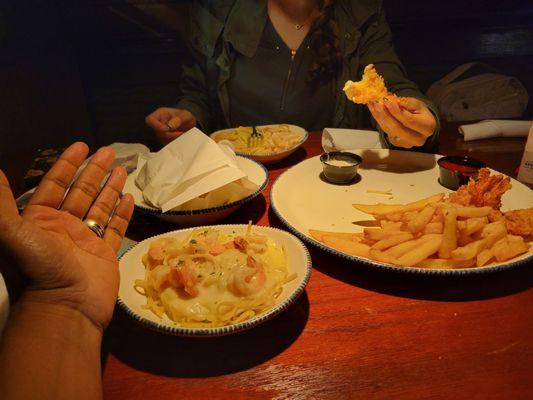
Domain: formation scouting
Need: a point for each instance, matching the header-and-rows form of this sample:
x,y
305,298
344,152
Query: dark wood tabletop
x,y
354,333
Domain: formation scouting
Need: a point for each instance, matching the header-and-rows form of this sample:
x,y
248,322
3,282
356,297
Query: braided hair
x,y
325,43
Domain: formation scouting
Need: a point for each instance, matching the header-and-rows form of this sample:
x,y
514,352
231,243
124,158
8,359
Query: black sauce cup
x,y
461,170
340,173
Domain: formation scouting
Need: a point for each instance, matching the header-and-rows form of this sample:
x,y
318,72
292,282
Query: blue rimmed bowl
x,y
255,172
132,268
274,157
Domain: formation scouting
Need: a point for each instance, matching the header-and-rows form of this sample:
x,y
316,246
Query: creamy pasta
x,y
211,279
274,139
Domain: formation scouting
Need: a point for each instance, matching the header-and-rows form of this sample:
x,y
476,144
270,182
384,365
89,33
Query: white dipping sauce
x,y
339,163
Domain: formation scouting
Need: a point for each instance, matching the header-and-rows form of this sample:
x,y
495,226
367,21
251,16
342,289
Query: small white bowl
x,y
132,268
204,216
271,157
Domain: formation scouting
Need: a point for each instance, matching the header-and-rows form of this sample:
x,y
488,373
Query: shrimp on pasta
x,y
211,279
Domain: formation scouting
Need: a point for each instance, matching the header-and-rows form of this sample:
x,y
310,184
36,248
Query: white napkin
x,y
334,139
492,128
190,166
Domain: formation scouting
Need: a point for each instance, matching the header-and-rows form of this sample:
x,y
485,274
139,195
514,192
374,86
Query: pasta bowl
x,y
132,268
255,171
267,157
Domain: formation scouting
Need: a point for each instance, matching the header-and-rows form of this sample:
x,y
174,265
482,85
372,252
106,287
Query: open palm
x,y
64,261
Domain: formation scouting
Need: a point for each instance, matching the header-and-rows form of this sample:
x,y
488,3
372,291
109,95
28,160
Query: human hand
x,y
170,123
64,261
407,124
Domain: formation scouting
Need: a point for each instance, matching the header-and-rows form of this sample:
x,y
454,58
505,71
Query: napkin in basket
x,y
334,139
492,128
189,167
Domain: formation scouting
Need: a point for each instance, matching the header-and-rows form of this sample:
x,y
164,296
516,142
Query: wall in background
x,y
94,69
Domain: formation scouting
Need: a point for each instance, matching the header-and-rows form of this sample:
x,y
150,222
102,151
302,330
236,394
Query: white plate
x,y
132,268
254,170
303,201
272,157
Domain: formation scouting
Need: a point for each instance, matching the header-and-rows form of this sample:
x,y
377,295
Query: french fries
x,y
426,249
509,247
400,249
449,238
383,209
418,223
392,240
440,263
347,246
472,212
433,227
385,224
319,235
379,233
484,257
472,225
469,251
428,233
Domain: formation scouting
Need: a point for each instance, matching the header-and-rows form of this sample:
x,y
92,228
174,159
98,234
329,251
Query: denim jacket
x,y
219,29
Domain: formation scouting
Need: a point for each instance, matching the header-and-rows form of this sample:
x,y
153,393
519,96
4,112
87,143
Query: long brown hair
x,y
325,43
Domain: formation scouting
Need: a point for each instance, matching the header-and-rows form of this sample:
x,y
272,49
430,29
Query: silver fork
x,y
256,138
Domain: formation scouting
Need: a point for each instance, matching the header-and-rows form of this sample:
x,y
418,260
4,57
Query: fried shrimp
x,y
370,88
520,222
486,190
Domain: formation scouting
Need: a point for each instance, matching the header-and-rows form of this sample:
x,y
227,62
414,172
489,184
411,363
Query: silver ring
x,y
95,227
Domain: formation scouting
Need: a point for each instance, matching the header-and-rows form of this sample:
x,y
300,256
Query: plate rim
x,y
276,153
201,211
383,266
229,329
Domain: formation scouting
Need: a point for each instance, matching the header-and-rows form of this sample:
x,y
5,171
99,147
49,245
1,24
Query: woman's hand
x,y
406,125
170,123
65,262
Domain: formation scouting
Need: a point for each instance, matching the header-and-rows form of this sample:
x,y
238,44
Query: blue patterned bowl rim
x,y
224,330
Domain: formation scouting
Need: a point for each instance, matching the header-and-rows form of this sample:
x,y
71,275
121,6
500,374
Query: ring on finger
x,y
94,226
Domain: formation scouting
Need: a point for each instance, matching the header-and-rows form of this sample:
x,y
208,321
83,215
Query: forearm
x,y
377,49
49,352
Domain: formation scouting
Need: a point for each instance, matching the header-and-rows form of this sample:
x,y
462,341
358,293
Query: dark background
x,y
92,70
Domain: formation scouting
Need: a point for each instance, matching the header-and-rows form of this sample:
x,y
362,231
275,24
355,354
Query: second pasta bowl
x,y
268,144
214,280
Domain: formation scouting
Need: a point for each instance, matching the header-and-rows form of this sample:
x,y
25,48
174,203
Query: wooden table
x,y
354,333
